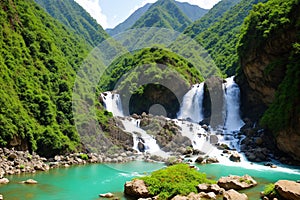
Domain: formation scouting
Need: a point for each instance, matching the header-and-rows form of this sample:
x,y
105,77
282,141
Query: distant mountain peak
x,y
185,10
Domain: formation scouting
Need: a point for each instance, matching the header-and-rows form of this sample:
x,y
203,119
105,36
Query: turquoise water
x,y
87,182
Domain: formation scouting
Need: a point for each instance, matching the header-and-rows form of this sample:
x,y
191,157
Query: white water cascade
x,y
113,103
132,125
233,121
191,107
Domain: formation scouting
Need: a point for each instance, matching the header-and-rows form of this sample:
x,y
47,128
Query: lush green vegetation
x,y
270,190
210,18
221,37
269,22
150,56
175,180
75,17
38,59
163,14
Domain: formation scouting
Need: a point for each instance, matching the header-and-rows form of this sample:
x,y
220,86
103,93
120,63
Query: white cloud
x,y
140,5
94,9
207,4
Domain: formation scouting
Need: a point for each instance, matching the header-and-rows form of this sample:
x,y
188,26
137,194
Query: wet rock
x,y
141,147
234,195
136,188
12,156
30,181
106,195
213,139
200,159
211,160
210,188
235,157
288,189
4,181
191,196
236,182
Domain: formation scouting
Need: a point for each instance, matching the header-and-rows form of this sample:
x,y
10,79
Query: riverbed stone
x,y
288,189
237,182
234,195
4,181
107,195
235,157
136,188
204,187
30,182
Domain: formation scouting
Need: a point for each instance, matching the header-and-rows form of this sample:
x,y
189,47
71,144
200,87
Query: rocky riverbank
x,y
17,162
226,187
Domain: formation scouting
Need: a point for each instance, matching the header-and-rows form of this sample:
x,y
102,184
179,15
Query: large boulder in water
x,y
235,157
136,188
288,189
141,147
237,182
234,195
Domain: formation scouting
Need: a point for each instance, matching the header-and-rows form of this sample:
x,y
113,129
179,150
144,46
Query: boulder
x,y
234,195
141,147
12,156
235,157
136,188
4,181
211,160
288,189
213,139
236,182
1,197
30,181
199,159
210,188
106,195
193,196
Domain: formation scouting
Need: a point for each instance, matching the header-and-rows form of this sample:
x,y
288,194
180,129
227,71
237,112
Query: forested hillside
x,y
69,13
163,14
38,60
191,11
213,15
270,72
221,37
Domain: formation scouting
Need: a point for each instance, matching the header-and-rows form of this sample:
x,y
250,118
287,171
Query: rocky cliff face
x,y
269,74
258,83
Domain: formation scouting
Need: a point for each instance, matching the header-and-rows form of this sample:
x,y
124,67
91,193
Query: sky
x,y
109,13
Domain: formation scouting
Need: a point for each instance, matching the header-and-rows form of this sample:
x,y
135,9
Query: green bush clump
x,y
175,180
84,156
270,189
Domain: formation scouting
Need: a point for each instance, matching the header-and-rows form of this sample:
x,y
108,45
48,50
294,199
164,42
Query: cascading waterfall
x,y
191,107
233,121
113,103
191,110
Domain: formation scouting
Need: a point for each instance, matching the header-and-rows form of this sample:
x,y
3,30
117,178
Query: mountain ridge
x,y
193,12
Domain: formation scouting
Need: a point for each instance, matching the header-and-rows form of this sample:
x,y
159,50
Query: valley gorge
x,y
216,89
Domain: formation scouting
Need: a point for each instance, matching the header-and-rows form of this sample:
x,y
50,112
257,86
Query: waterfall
x,y
191,107
139,135
113,103
233,121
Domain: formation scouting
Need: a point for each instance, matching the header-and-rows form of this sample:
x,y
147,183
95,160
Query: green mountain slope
x,y
221,38
209,18
191,11
75,17
38,60
269,50
164,14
